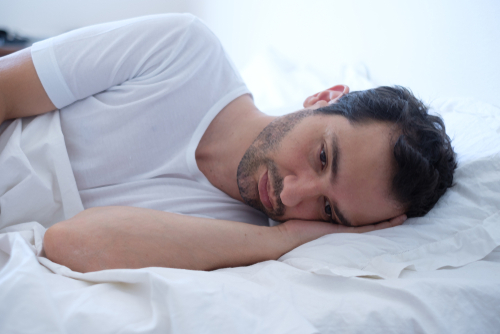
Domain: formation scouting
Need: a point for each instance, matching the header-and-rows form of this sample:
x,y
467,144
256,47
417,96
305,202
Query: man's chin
x,y
279,220
257,205
271,215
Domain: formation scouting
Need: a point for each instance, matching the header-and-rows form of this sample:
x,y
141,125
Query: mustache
x,y
277,181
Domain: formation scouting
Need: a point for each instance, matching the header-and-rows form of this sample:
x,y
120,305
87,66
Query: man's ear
x,y
328,96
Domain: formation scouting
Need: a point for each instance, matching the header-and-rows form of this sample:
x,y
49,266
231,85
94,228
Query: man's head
x,y
367,157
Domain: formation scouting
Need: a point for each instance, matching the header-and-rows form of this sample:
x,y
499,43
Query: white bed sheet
x,y
38,296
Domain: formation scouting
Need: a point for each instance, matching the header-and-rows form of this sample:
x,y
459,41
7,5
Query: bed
x,y
435,274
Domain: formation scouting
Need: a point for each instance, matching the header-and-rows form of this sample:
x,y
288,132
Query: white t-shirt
x,y
136,96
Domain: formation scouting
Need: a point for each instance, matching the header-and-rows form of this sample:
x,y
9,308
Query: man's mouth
x,y
263,191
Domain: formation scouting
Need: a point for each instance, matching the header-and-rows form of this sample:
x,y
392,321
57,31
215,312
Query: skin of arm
x,y
127,237
21,92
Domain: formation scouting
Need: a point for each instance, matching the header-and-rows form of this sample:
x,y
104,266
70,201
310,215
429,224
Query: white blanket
x,y
36,180
269,297
440,272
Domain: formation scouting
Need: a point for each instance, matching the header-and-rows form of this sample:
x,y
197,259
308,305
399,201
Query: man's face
x,y
320,167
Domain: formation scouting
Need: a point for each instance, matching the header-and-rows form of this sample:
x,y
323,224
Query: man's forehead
x,y
366,169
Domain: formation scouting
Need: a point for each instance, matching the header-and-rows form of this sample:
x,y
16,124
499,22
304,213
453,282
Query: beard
x,y
267,143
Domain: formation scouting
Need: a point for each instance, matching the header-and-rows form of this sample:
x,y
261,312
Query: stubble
x,y
267,143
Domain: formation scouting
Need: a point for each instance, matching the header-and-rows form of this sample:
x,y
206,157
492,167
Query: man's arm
x,y
21,92
127,237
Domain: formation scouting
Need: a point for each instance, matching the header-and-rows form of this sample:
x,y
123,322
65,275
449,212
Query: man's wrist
x,y
288,238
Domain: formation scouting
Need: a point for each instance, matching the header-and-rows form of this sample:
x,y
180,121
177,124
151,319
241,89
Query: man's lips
x,y
263,193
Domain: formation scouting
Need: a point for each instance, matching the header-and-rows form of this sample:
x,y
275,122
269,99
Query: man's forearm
x,y
126,237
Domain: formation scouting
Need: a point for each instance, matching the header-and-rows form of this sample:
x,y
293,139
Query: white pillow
x,y
280,86
463,227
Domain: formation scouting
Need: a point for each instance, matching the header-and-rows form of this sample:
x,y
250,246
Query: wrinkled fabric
x,y
39,296
36,180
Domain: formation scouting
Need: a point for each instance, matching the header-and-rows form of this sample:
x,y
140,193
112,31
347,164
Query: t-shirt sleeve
x,y
87,61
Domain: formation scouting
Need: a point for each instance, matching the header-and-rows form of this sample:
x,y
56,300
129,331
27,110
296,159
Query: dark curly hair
x,y
425,159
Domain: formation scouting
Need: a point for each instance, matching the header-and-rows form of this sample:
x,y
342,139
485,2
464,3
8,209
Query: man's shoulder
x,y
186,23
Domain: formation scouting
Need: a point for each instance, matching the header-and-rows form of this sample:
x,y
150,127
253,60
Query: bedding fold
x,y
37,182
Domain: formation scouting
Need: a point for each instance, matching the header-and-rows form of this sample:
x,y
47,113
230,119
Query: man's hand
x,y
301,231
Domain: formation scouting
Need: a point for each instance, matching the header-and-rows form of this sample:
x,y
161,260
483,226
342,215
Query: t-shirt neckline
x,y
203,126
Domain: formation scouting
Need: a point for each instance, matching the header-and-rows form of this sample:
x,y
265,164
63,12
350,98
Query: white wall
x,y
43,18
436,47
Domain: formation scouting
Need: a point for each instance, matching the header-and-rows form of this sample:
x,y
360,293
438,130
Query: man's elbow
x,y
52,244
64,246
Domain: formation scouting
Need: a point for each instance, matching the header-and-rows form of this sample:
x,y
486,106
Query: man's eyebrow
x,y
335,156
335,162
341,217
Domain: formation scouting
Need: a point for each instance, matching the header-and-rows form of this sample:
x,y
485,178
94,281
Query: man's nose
x,y
297,189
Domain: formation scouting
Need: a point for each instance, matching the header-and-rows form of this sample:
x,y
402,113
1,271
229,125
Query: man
x,y
166,145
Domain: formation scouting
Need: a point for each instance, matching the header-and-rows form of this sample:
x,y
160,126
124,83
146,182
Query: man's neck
x,y
226,140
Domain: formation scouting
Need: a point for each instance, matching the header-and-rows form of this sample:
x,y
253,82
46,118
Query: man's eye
x,y
328,209
322,157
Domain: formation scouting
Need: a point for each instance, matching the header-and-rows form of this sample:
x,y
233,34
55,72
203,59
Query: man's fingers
x,y
393,222
304,231
398,220
368,228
